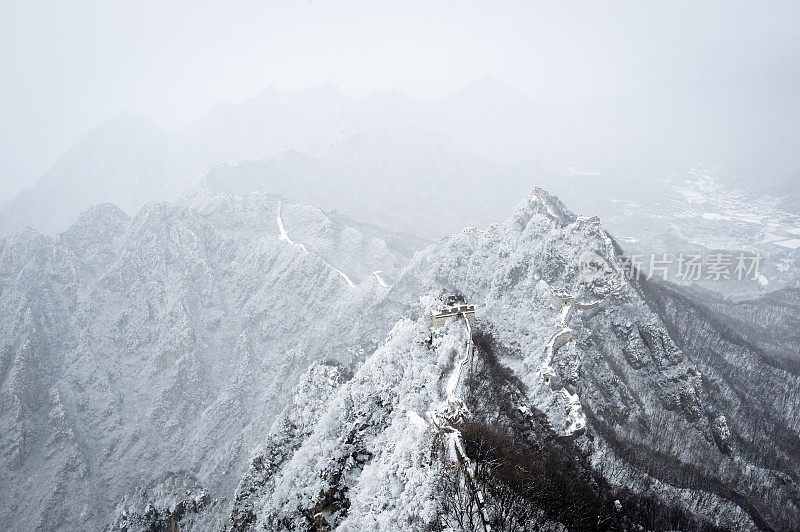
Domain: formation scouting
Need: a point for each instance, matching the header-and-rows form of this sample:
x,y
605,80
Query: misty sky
x,y
68,66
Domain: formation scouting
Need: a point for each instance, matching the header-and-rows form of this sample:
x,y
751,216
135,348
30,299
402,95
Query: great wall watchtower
x,y
451,309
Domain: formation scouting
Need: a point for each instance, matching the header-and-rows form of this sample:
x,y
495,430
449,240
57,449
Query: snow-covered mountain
x,y
623,413
164,344
145,358
126,161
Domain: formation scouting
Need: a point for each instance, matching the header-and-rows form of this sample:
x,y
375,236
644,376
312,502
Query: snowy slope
x,y
148,356
596,358
365,421
166,342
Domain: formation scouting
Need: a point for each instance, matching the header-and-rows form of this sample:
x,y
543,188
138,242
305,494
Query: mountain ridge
x,y
651,132
220,308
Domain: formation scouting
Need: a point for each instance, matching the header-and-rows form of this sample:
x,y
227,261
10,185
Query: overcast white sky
x,y
67,66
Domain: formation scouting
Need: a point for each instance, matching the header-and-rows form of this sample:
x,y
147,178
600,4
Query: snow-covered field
x,y
698,214
751,219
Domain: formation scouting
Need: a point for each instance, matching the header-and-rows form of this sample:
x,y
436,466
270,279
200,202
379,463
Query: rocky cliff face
x,y
166,342
144,355
747,354
631,387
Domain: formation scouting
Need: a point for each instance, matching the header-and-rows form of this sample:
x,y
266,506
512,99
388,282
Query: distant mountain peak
x,y
540,201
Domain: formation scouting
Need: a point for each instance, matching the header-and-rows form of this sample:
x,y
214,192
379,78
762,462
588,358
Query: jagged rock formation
x,y
170,342
172,502
654,426
750,381
132,347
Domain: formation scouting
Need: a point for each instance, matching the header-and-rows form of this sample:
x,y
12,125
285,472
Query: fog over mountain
x,y
746,137
488,279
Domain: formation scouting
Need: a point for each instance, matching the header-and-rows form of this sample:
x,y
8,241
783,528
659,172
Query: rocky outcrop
x,y
131,347
171,341
173,502
646,398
